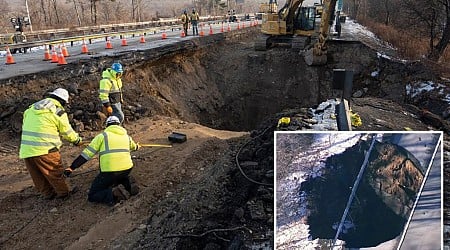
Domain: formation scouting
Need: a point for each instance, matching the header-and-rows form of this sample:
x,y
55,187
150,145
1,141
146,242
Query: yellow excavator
x,y
295,25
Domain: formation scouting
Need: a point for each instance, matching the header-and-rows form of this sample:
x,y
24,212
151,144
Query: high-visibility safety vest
x,y
113,146
110,88
43,124
184,18
194,16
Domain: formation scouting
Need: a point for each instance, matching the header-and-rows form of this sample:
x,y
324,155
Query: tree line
x,y
415,27
420,28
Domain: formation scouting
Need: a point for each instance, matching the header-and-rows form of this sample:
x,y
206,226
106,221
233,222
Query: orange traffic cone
x,y
124,41
210,30
84,48
239,26
47,56
201,30
108,44
243,25
221,29
61,58
142,40
9,57
182,33
164,35
54,55
228,28
64,50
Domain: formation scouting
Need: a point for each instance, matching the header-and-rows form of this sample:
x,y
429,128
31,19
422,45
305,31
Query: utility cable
x,y
405,230
239,166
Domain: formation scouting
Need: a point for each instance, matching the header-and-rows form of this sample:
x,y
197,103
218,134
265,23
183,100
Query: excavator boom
x,y
317,55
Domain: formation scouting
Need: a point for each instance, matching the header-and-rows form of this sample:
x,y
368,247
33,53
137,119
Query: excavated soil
x,y
227,99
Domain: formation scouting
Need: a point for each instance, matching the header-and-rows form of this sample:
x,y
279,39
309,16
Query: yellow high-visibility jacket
x,y
110,88
195,16
113,146
184,18
43,124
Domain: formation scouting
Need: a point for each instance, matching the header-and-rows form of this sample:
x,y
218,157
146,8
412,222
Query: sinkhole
x,y
384,198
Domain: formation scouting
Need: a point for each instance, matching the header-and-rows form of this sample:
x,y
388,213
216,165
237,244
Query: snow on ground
x,y
291,208
417,88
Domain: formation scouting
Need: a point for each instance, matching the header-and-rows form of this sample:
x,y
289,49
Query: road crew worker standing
x,y
185,22
113,145
194,21
110,92
43,124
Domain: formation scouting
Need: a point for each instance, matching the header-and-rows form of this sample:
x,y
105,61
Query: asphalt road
x,y
32,62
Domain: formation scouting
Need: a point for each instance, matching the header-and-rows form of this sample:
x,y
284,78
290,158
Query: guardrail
x,y
90,30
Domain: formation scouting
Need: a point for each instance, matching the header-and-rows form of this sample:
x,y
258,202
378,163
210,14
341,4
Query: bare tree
x,y
432,17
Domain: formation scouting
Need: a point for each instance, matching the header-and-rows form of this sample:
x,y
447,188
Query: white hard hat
x,y
61,93
112,120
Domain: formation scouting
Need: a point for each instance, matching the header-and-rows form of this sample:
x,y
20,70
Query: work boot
x,y
72,191
49,196
134,190
120,193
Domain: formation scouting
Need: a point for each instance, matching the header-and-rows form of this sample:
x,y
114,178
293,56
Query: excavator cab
x,y
305,21
292,25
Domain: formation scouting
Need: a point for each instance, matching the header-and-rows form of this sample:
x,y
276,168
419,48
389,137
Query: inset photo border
x,y
358,190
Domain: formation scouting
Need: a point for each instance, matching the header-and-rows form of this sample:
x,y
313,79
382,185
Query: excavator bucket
x,y
314,60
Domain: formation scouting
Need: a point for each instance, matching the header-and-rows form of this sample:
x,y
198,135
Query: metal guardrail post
x,y
343,80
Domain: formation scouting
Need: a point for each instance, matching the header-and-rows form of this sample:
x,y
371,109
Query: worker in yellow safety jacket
x,y
113,145
185,22
110,91
43,124
194,21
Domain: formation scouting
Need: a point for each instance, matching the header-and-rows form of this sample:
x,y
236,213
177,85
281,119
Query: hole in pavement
x,y
384,198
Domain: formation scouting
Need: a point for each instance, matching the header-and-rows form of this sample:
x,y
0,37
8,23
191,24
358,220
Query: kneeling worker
x,y
113,145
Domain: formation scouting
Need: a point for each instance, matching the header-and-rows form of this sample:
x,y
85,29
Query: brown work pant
x,y
46,172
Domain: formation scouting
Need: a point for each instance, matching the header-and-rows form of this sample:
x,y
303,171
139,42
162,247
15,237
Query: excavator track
x,y
261,43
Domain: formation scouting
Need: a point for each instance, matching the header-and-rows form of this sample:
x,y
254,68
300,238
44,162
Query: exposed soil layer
x,y
194,195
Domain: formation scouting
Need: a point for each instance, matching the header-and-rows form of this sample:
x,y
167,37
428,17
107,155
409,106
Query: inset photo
x,y
358,190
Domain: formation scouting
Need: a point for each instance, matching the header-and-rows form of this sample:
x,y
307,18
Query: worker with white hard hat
x,y
113,146
44,122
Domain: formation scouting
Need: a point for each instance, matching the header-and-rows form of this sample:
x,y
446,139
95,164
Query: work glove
x,y
67,172
78,142
107,110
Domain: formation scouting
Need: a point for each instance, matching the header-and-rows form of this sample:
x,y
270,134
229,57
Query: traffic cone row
x,y
9,57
